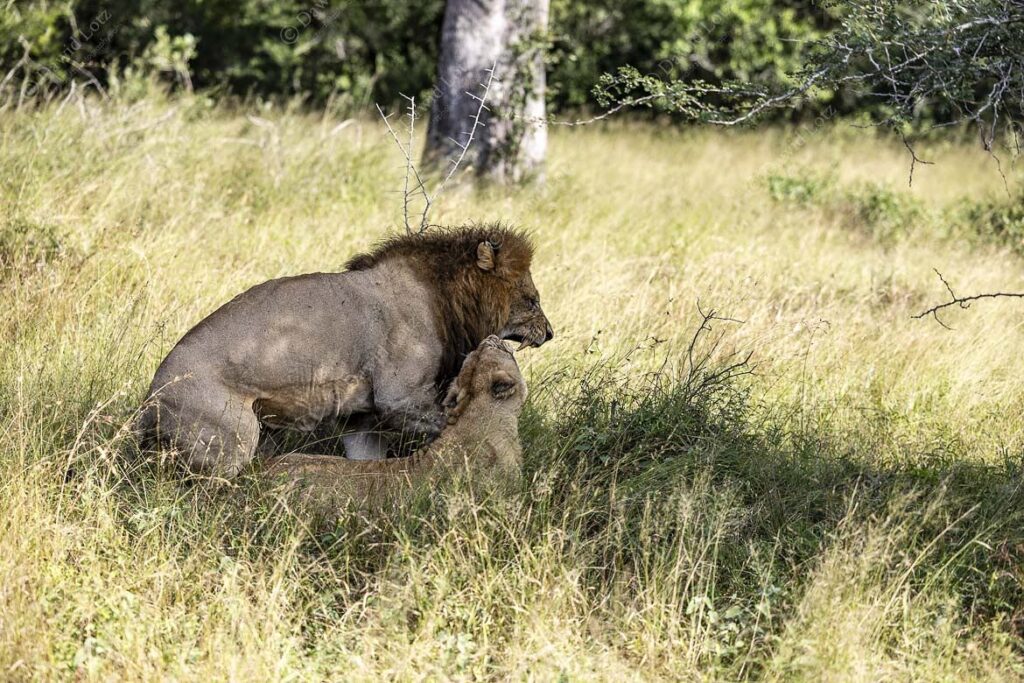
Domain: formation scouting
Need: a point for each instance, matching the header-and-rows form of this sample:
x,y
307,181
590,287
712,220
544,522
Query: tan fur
x,y
483,407
377,344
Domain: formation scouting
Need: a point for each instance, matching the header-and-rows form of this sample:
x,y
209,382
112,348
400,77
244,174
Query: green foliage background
x,y
373,50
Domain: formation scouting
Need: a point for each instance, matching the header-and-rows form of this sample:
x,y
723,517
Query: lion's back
x,y
292,332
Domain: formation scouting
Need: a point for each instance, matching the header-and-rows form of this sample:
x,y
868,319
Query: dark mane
x,y
448,249
470,303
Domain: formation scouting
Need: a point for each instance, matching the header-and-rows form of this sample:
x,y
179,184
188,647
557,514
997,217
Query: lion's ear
x,y
485,255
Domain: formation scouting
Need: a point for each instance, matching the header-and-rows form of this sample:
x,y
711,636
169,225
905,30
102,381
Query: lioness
x,y
380,341
482,409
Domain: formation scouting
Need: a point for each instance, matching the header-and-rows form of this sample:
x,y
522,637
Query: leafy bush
x,y
886,214
805,188
318,48
374,51
957,62
995,221
873,208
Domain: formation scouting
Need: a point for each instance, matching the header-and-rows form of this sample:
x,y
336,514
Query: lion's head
x,y
481,277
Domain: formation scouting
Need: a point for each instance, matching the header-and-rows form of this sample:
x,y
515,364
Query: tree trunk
x,y
476,34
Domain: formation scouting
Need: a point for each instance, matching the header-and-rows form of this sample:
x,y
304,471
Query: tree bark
x,y
476,35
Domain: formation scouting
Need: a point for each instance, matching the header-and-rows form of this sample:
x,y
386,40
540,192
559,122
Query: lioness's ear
x,y
503,385
485,255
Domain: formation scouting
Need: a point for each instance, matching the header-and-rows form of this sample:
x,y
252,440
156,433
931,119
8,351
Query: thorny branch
x,y
411,171
477,123
914,159
410,166
961,301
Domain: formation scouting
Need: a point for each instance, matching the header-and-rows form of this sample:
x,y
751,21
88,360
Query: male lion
x,y
482,409
379,342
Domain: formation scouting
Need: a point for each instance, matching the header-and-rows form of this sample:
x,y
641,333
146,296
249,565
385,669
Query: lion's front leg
x,y
416,415
417,425
365,446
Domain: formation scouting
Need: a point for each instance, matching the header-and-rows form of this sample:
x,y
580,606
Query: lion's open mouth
x,y
523,340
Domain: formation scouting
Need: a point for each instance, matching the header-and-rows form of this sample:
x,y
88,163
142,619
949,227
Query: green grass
x,y
849,509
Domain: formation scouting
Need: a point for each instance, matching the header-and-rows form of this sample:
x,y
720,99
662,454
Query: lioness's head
x,y
490,382
484,403
481,278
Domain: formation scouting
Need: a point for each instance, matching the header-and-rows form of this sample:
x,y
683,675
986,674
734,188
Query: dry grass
x,y
849,512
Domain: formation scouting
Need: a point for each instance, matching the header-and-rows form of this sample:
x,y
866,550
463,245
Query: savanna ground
x,y
845,506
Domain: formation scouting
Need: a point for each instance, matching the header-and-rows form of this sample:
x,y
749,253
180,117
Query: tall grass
x,y
844,506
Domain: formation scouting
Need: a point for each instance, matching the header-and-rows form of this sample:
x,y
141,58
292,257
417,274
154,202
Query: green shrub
x,y
805,188
879,211
883,212
993,221
364,51
375,50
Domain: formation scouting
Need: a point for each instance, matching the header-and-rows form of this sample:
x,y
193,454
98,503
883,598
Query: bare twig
x,y
914,159
962,301
631,102
733,365
477,123
407,152
707,318
410,166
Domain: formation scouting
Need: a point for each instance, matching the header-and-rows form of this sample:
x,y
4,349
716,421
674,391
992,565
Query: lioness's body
x,y
483,432
377,341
